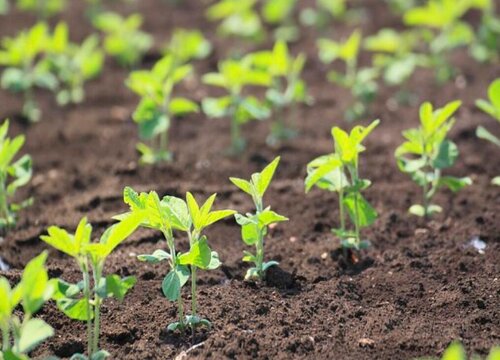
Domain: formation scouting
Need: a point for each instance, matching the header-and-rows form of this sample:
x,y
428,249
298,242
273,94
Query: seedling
x,y
443,31
237,18
186,45
360,81
254,227
42,8
324,13
123,38
394,54
21,332
492,108
158,106
279,13
339,172
13,175
456,351
234,76
427,152
82,301
169,214
24,70
73,64
486,46
287,88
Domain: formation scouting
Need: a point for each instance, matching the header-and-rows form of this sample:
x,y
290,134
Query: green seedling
x,y
324,13
237,18
13,175
486,45
44,9
287,88
394,55
82,301
427,152
279,13
254,227
234,76
73,64
158,106
339,172
123,38
24,69
442,31
492,108
360,81
186,45
21,332
174,214
456,351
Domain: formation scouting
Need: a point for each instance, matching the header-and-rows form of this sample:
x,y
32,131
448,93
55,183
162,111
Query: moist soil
x,y
418,287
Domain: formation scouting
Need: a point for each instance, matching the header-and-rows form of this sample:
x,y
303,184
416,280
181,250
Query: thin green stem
x,y
5,338
4,208
167,233
193,291
97,308
86,293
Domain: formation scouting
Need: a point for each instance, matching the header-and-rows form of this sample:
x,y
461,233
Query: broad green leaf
x,y
10,355
180,106
218,215
35,285
174,281
250,233
243,185
156,257
5,304
360,210
119,287
317,174
268,217
266,176
453,183
446,156
417,210
132,198
177,213
199,254
454,352
61,240
75,309
482,133
496,181
194,210
214,261
33,332
494,93
216,107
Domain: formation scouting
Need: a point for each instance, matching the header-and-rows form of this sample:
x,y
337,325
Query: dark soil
x,y
418,289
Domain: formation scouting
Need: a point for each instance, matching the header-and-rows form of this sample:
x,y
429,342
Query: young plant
x,y
237,18
174,214
158,106
486,47
339,172
24,69
287,88
279,13
394,54
73,64
427,152
492,108
22,334
254,227
442,30
324,13
13,175
42,8
360,81
123,38
234,76
82,301
186,45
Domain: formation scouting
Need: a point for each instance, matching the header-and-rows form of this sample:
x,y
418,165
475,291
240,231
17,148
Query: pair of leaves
x,y
259,182
254,227
347,51
186,45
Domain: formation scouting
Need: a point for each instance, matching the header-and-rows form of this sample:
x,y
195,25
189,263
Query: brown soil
x,y
420,289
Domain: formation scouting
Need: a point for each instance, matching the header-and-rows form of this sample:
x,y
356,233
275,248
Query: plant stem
x,y
356,206
193,290
4,209
167,233
5,338
97,308
86,292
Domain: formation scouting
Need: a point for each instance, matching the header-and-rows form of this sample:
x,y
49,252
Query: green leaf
x,y
174,281
156,257
454,352
359,209
417,210
218,215
496,181
214,261
177,213
35,286
61,240
482,133
250,233
180,106
199,255
446,156
268,217
33,332
268,264
243,185
453,183
75,309
194,210
266,176
119,287
216,107
316,174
